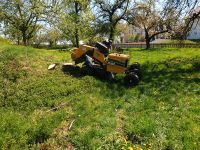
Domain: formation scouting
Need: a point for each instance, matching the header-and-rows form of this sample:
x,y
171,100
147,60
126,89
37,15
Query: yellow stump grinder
x,y
98,60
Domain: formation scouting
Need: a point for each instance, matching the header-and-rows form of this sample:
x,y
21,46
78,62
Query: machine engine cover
x,y
117,63
118,59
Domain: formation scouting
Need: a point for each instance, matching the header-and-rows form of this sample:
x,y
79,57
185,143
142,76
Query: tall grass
x,y
52,109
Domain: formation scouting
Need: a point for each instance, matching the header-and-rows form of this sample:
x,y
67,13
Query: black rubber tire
x,y
135,65
131,79
137,72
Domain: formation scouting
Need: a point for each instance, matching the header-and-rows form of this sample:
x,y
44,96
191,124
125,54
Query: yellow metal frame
x,y
77,53
99,56
115,69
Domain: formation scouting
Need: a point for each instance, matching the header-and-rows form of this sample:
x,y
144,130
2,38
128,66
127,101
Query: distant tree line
x,y
40,21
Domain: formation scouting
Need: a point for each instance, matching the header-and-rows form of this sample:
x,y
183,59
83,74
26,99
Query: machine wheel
x,y
135,67
137,72
131,79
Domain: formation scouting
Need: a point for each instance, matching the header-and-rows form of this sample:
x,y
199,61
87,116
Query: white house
x,y
194,33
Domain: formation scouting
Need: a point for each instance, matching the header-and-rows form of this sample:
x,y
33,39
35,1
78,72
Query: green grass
x,y
160,113
178,42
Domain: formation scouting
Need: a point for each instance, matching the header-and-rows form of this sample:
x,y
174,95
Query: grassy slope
x,y
161,113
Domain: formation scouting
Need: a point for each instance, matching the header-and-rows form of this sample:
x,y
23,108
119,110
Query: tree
x,y
154,21
22,15
12,34
40,37
74,20
110,13
187,14
53,35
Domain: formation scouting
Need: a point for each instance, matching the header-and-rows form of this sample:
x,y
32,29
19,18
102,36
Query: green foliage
x,y
154,20
73,23
160,113
109,14
21,18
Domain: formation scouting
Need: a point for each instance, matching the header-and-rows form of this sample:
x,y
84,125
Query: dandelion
x,y
139,148
130,148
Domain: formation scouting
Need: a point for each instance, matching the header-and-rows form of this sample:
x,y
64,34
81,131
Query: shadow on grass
x,y
110,88
149,50
79,72
166,73
72,70
176,69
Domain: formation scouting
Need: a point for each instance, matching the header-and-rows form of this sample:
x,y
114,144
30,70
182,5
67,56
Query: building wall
x,y
131,31
195,31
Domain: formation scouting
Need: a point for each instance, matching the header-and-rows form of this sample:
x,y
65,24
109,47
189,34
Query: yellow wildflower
x,y
130,148
138,148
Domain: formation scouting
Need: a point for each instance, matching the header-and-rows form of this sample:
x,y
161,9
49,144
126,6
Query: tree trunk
x,y
18,40
111,33
147,39
37,45
76,37
76,25
24,39
148,43
50,44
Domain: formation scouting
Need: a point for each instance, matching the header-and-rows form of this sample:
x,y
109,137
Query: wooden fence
x,y
155,45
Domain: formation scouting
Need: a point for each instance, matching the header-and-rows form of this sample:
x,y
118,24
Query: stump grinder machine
x,y
97,60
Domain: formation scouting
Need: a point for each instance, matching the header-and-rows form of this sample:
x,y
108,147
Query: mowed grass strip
x,y
160,113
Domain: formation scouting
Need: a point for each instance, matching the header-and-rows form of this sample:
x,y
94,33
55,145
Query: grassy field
x,y
43,109
167,41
